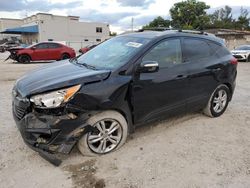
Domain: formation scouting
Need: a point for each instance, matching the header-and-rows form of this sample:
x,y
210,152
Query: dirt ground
x,y
188,151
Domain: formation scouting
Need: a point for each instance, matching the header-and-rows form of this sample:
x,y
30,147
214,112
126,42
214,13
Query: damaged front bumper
x,y
49,133
13,56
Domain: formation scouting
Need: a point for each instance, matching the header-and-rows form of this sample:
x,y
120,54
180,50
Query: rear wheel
x,y
218,101
24,59
65,56
110,134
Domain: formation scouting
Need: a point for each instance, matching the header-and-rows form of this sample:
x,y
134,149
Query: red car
x,y
43,51
87,48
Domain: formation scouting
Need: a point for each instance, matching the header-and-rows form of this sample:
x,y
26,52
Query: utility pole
x,y
132,24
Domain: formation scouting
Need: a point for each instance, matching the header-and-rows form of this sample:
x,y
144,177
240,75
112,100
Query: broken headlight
x,y
55,98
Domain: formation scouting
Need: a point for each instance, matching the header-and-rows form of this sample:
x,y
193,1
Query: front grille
x,y
19,112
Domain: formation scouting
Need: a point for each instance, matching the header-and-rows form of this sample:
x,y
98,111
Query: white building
x,y
66,29
6,23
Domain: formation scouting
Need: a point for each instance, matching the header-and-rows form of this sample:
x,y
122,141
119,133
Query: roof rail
x,y
200,32
193,31
154,29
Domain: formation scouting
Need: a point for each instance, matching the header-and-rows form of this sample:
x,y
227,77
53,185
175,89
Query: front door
x,y
41,52
158,94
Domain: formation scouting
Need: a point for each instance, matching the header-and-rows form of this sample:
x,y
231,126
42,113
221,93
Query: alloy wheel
x,y
220,101
106,137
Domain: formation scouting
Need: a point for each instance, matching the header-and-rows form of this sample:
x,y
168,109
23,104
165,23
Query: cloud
x,y
136,3
97,16
139,21
35,5
143,20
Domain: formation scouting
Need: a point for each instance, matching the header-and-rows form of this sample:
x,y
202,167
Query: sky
x,y
118,13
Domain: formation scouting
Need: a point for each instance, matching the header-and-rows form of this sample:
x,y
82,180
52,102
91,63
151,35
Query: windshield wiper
x,y
75,60
88,66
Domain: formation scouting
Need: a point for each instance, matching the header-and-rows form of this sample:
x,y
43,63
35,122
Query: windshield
x,y
30,46
243,48
113,53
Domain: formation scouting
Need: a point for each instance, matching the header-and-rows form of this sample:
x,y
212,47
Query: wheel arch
x,y
230,89
126,113
24,54
65,53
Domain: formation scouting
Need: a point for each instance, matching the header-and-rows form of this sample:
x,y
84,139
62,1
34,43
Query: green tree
x,y
243,20
157,22
190,14
222,18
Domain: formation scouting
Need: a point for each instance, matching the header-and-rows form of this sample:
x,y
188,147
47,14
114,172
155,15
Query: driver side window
x,y
42,46
166,53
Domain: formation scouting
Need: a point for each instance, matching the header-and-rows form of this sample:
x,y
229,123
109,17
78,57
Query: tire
x,y
24,59
218,101
65,56
248,58
89,143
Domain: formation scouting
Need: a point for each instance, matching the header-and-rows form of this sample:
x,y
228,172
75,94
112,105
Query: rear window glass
x,y
195,49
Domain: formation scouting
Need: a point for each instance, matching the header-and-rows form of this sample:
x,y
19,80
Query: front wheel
x,y
110,133
24,59
218,101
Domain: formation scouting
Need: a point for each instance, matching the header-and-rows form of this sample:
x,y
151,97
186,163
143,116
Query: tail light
x,y
234,61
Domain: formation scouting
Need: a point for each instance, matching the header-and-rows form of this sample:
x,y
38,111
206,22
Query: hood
x,y
57,75
16,48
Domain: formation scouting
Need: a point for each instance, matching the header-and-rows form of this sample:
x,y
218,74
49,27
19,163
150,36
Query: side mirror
x,y
149,66
33,48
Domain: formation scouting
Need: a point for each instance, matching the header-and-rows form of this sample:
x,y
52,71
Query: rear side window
x,y
166,53
219,50
54,45
195,49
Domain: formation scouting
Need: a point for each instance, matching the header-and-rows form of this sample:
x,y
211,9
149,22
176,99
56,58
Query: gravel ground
x,y
187,151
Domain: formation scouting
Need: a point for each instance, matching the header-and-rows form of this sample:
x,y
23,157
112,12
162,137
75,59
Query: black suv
x,y
97,99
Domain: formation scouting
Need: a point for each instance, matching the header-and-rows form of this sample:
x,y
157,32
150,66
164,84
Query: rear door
x,y
40,52
203,67
55,51
161,93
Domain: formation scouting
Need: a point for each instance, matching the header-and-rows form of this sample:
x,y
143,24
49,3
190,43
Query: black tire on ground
x,y
218,101
86,144
248,58
65,56
24,59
